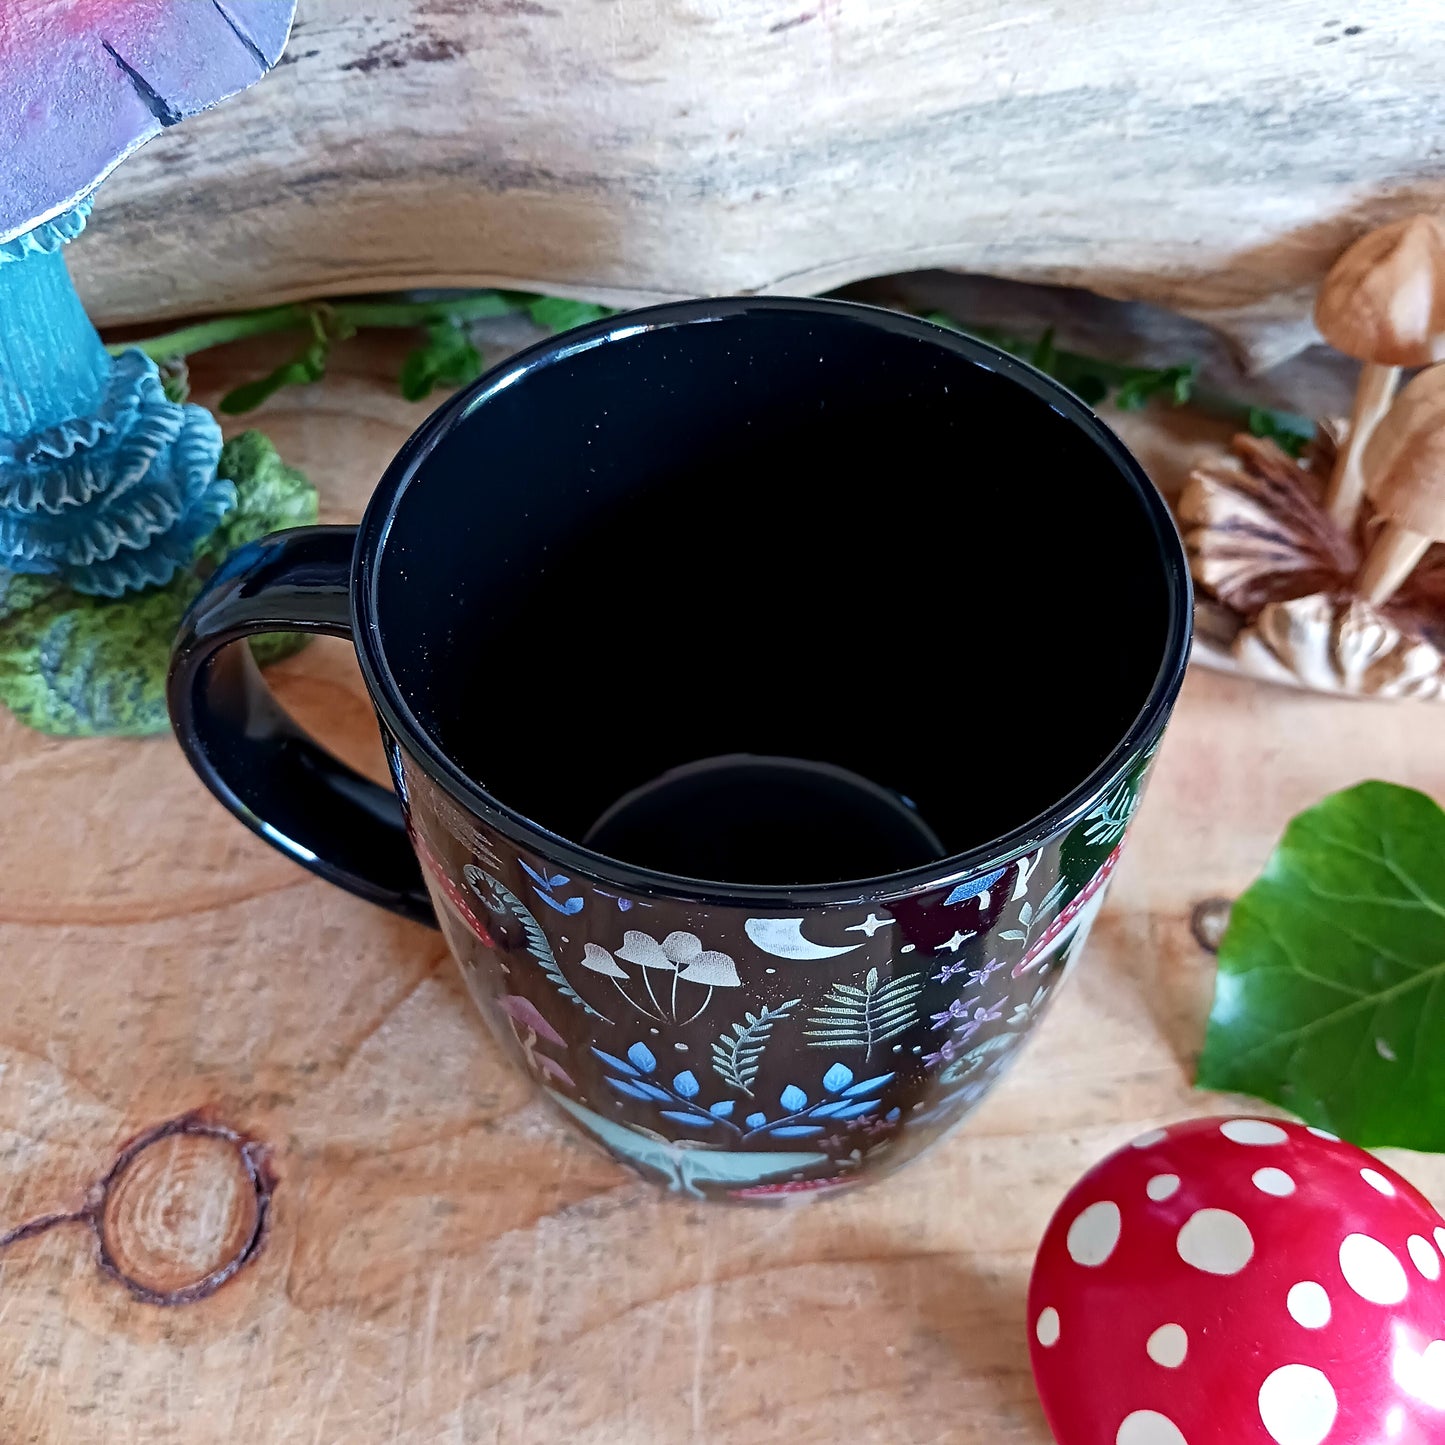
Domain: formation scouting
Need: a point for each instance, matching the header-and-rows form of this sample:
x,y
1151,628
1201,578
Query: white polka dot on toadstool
x,y
1323,1134
1297,1405
1149,1427
1167,1346
1149,1140
1273,1181
1162,1187
1309,1305
1421,1376
1376,1180
1253,1131
1215,1241
1372,1271
1093,1235
1047,1328
1422,1252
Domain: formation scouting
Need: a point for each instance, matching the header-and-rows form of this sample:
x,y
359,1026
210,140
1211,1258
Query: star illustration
x,y
870,925
952,945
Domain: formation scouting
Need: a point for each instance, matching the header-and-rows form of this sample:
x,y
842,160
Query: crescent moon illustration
x,y
783,938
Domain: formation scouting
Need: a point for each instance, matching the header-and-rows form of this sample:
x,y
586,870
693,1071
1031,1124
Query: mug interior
x,y
634,575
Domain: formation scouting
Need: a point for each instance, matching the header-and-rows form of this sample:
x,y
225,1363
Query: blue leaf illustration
x,y
756,1121
828,1110
837,1078
557,880
501,901
792,1098
532,873
698,1121
641,1055
641,1089
723,1109
973,887
568,906
686,1084
867,1086
893,1115
621,1065
796,1131
853,1111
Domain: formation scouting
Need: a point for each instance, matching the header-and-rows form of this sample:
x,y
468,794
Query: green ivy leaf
x,y
447,358
1329,998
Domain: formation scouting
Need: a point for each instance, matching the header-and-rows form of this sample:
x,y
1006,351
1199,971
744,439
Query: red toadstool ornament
x,y
1241,1282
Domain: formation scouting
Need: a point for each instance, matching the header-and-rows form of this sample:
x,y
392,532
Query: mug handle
x,y
277,780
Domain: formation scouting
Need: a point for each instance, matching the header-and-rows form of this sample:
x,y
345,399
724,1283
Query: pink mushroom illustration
x,y
1241,1281
530,1028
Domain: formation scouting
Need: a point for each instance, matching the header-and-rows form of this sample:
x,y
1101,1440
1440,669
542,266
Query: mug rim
x,y
396,715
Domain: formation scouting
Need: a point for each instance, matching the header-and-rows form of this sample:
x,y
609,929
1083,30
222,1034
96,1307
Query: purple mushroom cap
x,y
86,82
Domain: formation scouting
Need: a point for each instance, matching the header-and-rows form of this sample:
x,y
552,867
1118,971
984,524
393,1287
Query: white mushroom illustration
x,y
679,954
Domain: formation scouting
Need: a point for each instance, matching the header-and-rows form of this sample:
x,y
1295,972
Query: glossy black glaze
x,y
282,784
873,1007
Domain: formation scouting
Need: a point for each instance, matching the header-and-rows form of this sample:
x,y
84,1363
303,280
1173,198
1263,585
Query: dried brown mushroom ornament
x,y
1324,572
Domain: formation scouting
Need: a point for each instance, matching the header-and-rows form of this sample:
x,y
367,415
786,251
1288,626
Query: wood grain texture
x,y
1214,159
443,1263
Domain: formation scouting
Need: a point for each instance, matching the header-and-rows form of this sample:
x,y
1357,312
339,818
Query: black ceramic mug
x,y
767,686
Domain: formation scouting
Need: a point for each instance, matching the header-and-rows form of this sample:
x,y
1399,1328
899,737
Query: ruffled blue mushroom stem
x,y
105,484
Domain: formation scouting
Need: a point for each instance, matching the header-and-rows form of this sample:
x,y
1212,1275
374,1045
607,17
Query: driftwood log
x,y
1214,160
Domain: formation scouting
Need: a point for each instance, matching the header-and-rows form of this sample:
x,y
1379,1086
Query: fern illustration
x,y
862,1018
500,899
736,1056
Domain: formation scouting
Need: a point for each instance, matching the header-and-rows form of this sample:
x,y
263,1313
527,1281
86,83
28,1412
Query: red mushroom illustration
x,y
1241,1281
1072,923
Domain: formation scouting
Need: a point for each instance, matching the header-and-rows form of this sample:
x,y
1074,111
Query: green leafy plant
x,y
447,357
736,1056
79,666
1130,388
862,1018
1329,997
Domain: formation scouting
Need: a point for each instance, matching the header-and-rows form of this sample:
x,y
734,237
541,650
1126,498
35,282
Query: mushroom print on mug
x,y
749,1055
1241,1281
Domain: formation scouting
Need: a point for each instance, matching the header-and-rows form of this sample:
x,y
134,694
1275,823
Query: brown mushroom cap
x,y
1404,461
1384,299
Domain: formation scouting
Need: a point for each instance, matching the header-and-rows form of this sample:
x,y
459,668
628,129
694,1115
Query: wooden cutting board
x,y
424,1256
